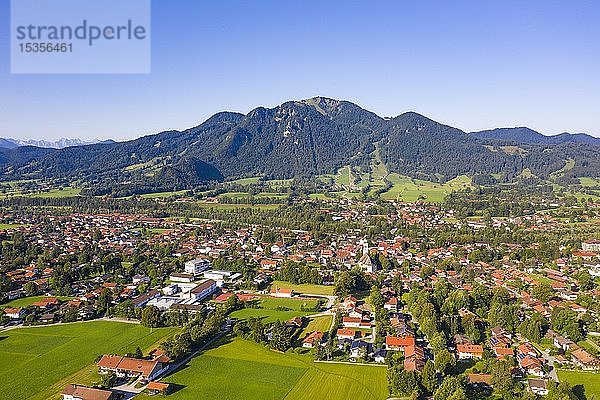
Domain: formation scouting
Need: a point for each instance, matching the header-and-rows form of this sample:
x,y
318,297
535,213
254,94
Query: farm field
x,y
305,288
241,369
50,357
589,381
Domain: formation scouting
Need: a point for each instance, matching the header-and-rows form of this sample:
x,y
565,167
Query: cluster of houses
x,y
200,243
47,310
579,356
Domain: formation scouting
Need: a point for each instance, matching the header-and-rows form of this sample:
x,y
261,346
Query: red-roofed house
x,y
345,333
280,292
467,351
132,367
76,392
15,313
399,342
313,339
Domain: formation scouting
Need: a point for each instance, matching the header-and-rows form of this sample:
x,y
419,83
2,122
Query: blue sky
x,y
471,64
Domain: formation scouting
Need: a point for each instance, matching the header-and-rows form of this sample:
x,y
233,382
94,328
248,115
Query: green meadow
x,y
27,301
160,195
236,369
38,362
4,227
45,194
318,324
589,382
276,309
408,189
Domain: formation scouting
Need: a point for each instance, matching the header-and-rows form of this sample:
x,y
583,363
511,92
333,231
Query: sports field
x,y
236,369
589,382
38,362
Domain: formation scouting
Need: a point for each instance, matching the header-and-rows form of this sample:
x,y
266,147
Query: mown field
x,y
159,195
319,324
589,182
305,289
275,309
589,381
44,194
408,189
4,227
37,363
236,369
27,301
219,206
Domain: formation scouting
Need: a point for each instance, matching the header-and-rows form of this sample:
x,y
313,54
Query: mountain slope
x,y
298,138
417,146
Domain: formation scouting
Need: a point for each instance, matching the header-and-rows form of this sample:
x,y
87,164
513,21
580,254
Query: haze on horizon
x,y
472,65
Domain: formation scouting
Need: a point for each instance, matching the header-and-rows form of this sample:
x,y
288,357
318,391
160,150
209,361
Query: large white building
x,y
222,276
203,290
591,245
197,266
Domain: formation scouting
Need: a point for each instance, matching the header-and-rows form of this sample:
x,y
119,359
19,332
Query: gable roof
x,y
395,341
86,393
130,364
470,348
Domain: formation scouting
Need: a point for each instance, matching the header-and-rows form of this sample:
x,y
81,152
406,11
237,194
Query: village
x,y
391,297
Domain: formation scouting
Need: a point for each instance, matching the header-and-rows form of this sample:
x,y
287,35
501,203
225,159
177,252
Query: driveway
x,y
129,389
550,360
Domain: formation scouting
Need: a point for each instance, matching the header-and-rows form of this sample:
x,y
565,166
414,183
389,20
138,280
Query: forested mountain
x,y
296,139
526,135
20,156
7,144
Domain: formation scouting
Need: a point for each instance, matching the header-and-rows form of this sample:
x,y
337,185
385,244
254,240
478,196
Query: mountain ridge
x,y
528,135
298,138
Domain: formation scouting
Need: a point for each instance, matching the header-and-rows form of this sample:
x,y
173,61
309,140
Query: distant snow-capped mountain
x,y
9,143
